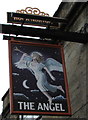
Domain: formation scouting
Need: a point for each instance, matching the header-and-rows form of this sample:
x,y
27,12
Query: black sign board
x,y
38,82
30,19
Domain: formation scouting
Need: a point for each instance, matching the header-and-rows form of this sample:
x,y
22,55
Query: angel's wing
x,y
53,65
22,63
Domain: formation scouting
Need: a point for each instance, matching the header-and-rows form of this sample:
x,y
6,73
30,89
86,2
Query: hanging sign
x,y
32,17
38,82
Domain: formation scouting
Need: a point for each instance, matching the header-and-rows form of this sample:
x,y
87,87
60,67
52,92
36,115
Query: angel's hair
x,y
39,57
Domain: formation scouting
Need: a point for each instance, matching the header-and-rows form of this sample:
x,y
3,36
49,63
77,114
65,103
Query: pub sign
x,y
38,82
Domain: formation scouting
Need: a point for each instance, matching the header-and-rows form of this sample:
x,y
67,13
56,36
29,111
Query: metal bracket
x,y
84,29
39,117
23,22
45,33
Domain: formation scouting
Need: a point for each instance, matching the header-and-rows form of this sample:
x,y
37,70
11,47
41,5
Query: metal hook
x,y
39,117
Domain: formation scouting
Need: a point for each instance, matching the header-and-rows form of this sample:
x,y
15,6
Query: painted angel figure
x,y
35,63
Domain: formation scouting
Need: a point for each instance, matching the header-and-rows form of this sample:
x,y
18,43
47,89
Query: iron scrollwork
x,y
34,11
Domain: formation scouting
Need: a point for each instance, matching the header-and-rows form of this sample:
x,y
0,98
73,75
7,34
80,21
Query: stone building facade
x,y
6,108
75,56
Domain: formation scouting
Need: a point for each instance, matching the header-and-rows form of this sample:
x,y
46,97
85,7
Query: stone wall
x,y
6,108
75,58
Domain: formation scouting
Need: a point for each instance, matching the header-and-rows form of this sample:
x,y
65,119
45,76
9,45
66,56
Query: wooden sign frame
x,y
26,93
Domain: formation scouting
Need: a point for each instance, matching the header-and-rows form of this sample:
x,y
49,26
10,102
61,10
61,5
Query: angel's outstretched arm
x,y
22,58
52,77
16,49
24,54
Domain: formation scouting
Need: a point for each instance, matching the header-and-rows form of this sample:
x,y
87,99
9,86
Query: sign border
x,y
65,79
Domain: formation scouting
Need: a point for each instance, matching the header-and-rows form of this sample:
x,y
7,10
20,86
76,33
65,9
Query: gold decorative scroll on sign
x,y
34,11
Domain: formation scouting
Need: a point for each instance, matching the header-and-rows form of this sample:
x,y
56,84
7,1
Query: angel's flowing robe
x,y
37,70
42,82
